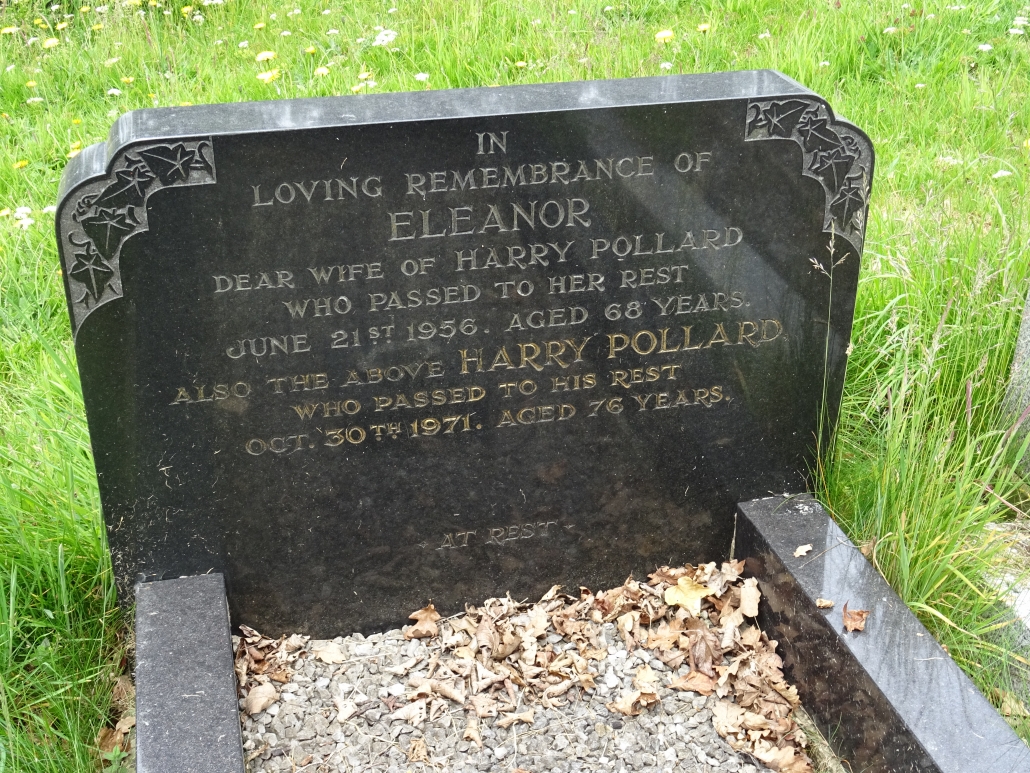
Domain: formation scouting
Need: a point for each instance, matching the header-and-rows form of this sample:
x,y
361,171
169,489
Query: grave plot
x,y
352,355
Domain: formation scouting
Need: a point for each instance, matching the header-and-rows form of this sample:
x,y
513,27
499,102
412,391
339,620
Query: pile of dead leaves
x,y
494,660
259,661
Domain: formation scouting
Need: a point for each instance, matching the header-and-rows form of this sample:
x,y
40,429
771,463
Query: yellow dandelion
x,y
30,84
259,26
520,64
704,27
39,22
1027,143
268,76
364,75
77,144
51,42
186,10
63,25
20,164
264,56
127,79
5,212
8,30
309,50
664,36
185,104
74,152
76,121
85,9
152,95
357,88
97,27
321,71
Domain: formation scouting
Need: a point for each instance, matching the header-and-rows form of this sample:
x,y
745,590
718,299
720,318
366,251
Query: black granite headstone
x,y
358,353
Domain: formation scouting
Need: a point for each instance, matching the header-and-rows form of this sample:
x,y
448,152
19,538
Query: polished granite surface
x,y
889,696
187,716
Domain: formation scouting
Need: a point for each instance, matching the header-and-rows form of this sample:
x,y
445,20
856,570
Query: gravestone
x,y
357,353
1017,398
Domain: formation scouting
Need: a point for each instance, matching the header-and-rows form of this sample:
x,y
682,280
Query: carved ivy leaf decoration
x,y
170,164
849,202
128,189
84,207
817,133
201,162
108,227
781,117
833,165
92,270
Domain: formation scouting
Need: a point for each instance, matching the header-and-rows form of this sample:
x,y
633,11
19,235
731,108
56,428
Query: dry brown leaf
x,y
452,689
802,550
126,723
484,705
632,702
749,597
646,680
282,677
472,729
668,576
694,681
783,759
464,653
525,717
729,573
260,698
626,624
414,713
123,694
854,619
664,638
538,622
345,709
418,752
425,625
508,643
824,604
403,668
293,643
750,637
1011,705
483,678
728,718
687,594
329,652
109,739
465,624
559,689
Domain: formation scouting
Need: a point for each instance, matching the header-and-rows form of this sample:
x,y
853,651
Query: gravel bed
x,y
300,730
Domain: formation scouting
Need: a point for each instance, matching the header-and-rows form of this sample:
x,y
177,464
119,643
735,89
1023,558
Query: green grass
x,y
920,463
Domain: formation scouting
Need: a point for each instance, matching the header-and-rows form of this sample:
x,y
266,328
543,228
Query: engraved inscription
x,y
543,314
